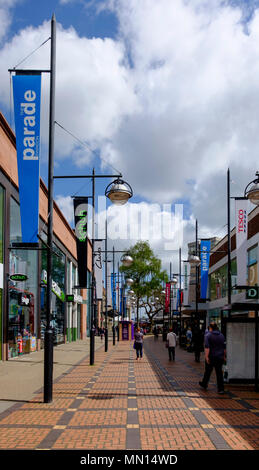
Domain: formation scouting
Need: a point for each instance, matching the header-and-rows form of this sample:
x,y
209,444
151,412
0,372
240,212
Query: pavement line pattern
x,y
133,432
124,404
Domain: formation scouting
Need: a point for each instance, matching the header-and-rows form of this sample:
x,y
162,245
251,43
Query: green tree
x,y
148,279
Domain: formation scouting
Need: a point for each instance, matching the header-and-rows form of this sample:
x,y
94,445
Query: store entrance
x,y
21,338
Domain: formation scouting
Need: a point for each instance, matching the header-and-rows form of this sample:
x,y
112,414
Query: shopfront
x,y
58,296
22,294
2,199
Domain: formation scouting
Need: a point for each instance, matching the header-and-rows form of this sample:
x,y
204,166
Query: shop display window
x,y
2,195
22,314
58,296
252,266
218,281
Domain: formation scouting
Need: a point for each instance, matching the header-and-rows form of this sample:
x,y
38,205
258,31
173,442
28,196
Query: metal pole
x,y
256,350
170,302
197,271
92,330
106,288
180,301
137,312
118,331
229,238
114,291
48,337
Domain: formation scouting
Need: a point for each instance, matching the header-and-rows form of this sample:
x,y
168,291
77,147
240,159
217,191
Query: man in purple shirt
x,y
215,355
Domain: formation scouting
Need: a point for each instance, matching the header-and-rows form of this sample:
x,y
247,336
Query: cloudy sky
x,y
165,92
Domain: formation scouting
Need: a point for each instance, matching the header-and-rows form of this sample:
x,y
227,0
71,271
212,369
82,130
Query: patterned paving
x,y
120,403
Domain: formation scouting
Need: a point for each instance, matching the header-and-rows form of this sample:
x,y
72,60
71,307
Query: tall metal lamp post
x,y
252,194
195,261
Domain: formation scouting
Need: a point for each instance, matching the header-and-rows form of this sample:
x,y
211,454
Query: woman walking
x,y
138,344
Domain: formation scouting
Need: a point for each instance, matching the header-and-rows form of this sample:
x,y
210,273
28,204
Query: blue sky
x,y
76,14
164,91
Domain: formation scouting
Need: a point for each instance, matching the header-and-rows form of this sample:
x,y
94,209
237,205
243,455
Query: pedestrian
x,y
138,344
189,339
215,355
101,333
171,341
197,339
155,331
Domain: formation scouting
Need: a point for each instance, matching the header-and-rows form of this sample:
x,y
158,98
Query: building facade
x,y
23,298
218,278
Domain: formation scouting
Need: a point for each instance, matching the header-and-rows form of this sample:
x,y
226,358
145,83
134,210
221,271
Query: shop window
x,y
2,196
218,281
252,267
58,295
22,318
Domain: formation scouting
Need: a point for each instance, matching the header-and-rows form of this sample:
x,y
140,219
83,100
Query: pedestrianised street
x,y
120,403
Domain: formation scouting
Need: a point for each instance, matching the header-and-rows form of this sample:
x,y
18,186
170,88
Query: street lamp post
x,y
119,193
229,239
197,317
252,195
180,299
114,287
48,337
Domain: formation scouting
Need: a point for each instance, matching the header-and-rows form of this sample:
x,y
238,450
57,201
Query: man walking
x,y
171,340
215,355
197,338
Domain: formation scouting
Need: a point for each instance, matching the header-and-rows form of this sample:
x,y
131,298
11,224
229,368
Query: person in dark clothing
x,y
139,344
197,339
155,333
215,355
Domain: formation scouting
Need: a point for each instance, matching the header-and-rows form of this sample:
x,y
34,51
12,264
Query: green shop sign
x,y
252,292
74,298
55,287
18,277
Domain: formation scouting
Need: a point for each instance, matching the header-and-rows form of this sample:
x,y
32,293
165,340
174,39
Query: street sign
x,y
70,298
18,277
252,293
24,300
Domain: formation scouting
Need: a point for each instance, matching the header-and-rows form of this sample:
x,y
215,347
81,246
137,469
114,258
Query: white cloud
x,y
195,74
172,101
93,92
6,16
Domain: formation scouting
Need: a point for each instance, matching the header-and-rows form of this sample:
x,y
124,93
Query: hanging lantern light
x,y
194,260
253,193
126,260
119,192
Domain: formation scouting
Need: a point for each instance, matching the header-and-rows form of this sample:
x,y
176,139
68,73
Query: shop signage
x,y
252,292
109,290
205,262
24,300
74,298
98,269
27,95
113,288
81,216
18,277
186,269
55,287
167,296
241,239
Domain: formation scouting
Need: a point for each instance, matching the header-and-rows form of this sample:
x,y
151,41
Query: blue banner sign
x,y
113,287
27,94
205,262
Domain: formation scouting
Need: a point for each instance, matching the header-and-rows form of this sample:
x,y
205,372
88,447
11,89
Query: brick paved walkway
x,y
124,404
